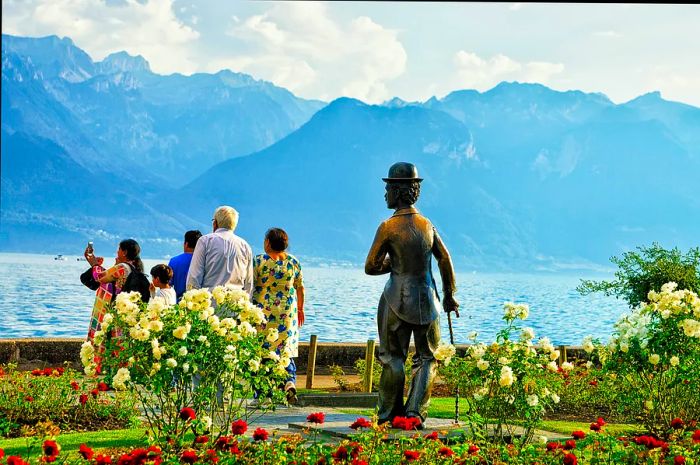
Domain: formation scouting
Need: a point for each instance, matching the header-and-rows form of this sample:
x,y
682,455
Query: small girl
x,y
160,285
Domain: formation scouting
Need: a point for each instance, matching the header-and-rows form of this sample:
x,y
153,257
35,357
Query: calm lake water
x,y
43,297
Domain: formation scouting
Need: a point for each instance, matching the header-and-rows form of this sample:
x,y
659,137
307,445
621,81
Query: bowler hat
x,y
403,172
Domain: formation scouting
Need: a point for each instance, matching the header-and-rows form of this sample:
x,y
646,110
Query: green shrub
x,y
647,270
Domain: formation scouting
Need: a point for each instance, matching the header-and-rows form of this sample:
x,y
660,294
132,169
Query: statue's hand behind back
x,y
449,304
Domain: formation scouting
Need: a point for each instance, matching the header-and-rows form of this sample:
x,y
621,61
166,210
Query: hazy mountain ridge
x,y
518,178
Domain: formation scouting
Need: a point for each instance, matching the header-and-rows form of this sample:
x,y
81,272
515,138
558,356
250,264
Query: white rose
x,y
654,359
527,334
506,377
120,379
624,347
202,338
566,366
554,355
532,400
482,364
552,366
675,361
555,398
182,351
171,362
588,344
254,365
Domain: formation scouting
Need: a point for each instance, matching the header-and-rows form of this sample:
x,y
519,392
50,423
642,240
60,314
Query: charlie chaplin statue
x,y
404,246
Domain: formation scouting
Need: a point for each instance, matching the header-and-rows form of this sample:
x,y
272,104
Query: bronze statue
x,y
404,246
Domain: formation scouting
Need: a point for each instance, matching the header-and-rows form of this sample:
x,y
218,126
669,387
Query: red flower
x,y
86,452
187,414
432,436
570,459
405,423
361,423
239,427
51,448
189,456
15,460
2,453
578,434
600,421
212,456
94,393
595,427
37,372
359,462
260,434
103,460
445,452
224,442
473,449
411,455
29,399
679,460
75,385
201,440
48,371
570,444
696,435
102,386
677,423
340,454
83,399
318,417
594,382
553,446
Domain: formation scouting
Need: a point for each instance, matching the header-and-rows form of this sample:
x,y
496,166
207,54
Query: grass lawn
x,y
70,443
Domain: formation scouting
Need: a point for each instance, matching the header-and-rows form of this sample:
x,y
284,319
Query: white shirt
x,y
167,294
221,258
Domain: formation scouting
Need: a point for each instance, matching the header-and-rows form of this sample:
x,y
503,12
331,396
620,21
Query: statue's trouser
x,y
394,340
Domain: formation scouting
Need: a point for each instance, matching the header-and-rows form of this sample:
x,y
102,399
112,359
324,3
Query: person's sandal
x,y
291,392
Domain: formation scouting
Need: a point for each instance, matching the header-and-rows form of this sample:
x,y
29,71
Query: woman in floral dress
x,y
111,283
279,291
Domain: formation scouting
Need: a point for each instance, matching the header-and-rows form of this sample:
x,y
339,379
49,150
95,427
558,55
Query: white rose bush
x,y
513,380
655,354
192,364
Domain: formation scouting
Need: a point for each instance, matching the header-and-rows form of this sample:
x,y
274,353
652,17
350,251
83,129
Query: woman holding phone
x,y
111,281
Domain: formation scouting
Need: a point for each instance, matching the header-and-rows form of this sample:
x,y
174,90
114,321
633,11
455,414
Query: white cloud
x,y
148,28
475,72
299,46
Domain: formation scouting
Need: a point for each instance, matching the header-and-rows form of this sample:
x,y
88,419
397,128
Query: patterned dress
x,y
274,291
105,293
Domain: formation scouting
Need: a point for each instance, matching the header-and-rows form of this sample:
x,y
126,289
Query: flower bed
x,y
61,396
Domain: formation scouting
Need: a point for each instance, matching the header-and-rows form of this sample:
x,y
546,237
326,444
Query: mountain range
x,y
517,178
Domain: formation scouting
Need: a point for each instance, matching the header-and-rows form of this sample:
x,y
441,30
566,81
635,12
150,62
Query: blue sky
x,y
375,51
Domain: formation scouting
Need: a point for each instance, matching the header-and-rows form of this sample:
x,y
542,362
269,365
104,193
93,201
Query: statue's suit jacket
x,y
410,240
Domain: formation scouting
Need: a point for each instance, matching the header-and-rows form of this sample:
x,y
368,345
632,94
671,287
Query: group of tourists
x,y
273,280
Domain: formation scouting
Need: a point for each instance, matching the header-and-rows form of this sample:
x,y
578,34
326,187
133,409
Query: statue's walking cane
x,y
452,341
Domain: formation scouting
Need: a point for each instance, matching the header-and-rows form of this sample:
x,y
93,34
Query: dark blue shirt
x,y
180,265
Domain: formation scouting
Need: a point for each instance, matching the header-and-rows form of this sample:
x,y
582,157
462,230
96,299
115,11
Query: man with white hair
x,y
221,257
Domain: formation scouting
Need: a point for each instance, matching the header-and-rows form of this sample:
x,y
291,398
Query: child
x,y
160,285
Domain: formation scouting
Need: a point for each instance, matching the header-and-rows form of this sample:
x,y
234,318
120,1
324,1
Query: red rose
x,y
37,372
399,422
677,423
570,444
318,417
29,399
570,459
340,454
86,452
473,449
260,434
361,423
83,399
189,456
594,382
212,456
2,453
103,460
679,460
696,435
432,436
48,371
224,442
102,386
51,448
75,385
411,455
595,427
187,414
600,421
578,434
239,427
201,440
15,460
445,452
95,393
359,462
553,446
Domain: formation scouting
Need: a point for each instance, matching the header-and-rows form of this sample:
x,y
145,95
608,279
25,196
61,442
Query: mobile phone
x,y
90,246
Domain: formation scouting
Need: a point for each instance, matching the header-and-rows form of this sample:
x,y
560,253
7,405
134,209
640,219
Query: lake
x,y
43,297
